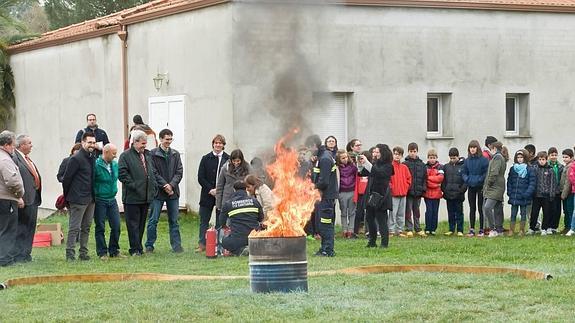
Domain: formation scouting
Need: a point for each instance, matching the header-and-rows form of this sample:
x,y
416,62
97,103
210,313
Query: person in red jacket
x,y
433,194
400,183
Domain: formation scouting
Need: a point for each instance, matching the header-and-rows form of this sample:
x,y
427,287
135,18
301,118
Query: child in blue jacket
x,y
521,184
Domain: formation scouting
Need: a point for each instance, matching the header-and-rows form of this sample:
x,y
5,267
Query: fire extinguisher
x,y
211,243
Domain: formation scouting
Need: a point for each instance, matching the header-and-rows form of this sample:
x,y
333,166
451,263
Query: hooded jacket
x,y
494,186
401,180
474,170
521,190
434,180
347,176
453,185
418,172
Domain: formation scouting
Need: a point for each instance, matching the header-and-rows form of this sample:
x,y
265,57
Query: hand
x,y
167,188
20,203
361,159
212,192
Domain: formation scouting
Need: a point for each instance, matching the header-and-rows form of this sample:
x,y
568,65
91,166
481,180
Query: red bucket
x,y
42,239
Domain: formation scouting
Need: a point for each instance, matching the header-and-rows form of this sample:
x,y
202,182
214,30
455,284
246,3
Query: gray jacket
x,y
11,184
225,184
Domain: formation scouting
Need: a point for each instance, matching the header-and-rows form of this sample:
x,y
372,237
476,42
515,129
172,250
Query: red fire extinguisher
x,y
211,243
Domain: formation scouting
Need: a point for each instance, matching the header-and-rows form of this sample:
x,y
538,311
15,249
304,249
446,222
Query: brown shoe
x,y
200,248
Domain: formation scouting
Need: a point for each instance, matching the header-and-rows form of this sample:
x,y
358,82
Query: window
x,y
329,115
517,114
434,114
439,115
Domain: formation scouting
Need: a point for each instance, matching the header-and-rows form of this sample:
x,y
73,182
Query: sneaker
x,y
493,234
202,247
480,234
471,233
543,232
149,250
321,254
178,250
409,234
422,234
448,233
427,232
84,257
432,233
460,234
530,232
104,258
402,235
570,233
551,231
119,256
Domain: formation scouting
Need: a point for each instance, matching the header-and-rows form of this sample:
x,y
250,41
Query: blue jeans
x,y
455,215
107,210
155,209
522,210
431,214
568,211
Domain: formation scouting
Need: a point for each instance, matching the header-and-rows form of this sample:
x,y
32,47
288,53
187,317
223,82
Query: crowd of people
x,y
380,188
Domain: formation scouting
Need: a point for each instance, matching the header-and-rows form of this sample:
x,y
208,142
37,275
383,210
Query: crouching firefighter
x,y
244,214
326,183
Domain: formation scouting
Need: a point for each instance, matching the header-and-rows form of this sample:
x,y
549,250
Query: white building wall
x,y
55,88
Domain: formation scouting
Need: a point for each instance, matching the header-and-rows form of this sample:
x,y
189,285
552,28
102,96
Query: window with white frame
x,y
439,115
329,115
517,114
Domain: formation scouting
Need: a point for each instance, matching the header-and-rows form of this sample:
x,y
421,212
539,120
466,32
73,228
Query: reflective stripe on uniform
x,y
324,220
316,169
334,168
243,210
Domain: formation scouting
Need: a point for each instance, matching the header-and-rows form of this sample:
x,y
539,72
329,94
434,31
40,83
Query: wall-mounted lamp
x,y
159,79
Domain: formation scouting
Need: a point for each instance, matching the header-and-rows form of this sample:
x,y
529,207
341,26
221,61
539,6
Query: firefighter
x,y
244,214
326,183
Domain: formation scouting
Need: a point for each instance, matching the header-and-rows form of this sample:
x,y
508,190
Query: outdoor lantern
x,y
159,79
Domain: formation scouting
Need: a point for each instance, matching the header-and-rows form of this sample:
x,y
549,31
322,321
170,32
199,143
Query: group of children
x,y
535,181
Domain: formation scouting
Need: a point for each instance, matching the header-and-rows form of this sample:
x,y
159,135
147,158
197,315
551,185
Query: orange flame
x,y
295,196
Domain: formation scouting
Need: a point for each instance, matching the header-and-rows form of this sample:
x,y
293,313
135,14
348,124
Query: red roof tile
x,y
158,8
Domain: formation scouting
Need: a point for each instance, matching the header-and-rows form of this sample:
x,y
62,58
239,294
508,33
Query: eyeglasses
x,y
357,145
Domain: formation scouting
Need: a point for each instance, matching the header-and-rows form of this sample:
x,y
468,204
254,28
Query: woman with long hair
x,y
493,190
474,171
258,189
330,144
380,172
235,169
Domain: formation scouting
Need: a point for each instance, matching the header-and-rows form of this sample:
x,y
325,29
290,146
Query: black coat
x,y
418,172
207,172
168,170
453,185
100,135
139,187
379,178
326,182
78,178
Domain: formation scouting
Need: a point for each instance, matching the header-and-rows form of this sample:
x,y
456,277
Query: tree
x,y
63,13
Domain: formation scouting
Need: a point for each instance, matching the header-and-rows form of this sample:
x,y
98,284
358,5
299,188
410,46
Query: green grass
x,y
379,297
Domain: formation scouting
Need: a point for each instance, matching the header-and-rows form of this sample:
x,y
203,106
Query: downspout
x,y
123,34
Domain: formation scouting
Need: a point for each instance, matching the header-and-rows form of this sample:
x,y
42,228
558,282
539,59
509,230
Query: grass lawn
x,y
377,297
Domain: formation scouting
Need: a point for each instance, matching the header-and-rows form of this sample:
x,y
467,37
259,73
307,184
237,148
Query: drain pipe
x,y
123,34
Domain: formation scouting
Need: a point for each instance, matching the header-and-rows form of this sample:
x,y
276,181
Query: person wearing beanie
x,y
489,140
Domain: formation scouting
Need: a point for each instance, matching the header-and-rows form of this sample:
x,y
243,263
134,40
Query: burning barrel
x,y
278,264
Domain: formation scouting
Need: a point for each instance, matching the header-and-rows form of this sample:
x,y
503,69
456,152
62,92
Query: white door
x,y
168,112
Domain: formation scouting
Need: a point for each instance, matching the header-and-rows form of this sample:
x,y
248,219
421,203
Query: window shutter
x,y
329,117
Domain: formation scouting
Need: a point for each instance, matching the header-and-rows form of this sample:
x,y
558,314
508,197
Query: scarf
x,y
520,169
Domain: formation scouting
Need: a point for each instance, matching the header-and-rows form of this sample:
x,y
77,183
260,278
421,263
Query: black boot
x,y
371,244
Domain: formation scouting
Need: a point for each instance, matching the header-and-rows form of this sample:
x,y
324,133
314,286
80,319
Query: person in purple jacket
x,y
347,177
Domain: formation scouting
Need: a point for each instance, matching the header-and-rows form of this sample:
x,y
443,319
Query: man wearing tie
x,y
32,199
208,172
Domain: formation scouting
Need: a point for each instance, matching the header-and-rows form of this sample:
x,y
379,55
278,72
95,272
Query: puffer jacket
x,y
521,190
453,186
494,186
474,170
565,183
547,183
434,180
418,172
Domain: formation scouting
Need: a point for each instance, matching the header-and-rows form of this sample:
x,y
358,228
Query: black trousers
x,y
475,198
539,203
25,237
8,230
136,215
359,214
235,243
379,216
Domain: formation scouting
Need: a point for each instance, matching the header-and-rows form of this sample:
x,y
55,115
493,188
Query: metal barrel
x,y
278,264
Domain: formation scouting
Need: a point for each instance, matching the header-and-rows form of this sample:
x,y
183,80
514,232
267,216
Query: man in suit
x,y
208,172
32,199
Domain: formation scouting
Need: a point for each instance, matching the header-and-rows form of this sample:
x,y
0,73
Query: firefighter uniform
x,y
244,215
326,183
